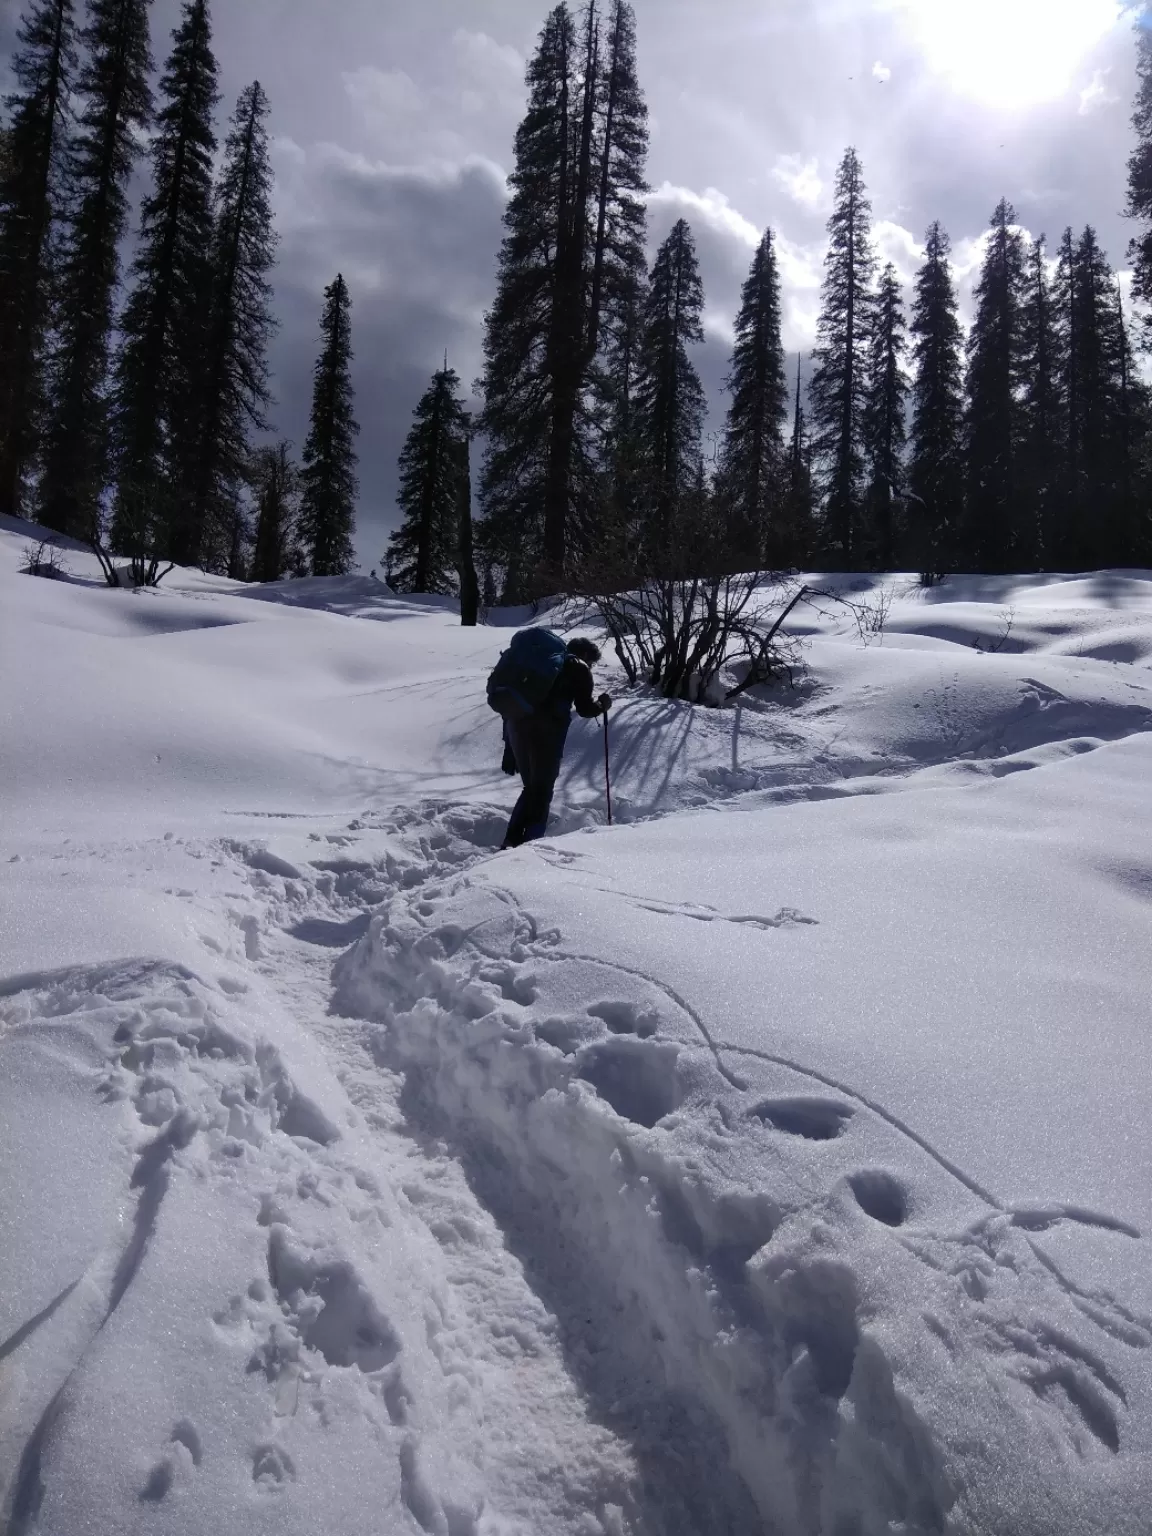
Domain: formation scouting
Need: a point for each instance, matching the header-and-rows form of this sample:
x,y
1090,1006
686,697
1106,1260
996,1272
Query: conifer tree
x,y
885,434
164,323
994,414
619,267
233,392
669,395
30,174
750,480
1043,425
837,391
936,468
328,479
113,85
569,272
796,545
423,553
276,483
1140,182
1102,398
469,583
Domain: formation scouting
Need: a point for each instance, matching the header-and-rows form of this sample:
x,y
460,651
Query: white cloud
x,y
898,245
711,207
1096,93
486,58
382,92
881,72
801,179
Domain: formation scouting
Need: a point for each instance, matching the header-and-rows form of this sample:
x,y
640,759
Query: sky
x,y
393,126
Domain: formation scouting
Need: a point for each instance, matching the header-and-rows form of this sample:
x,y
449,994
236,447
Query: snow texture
x,y
774,1161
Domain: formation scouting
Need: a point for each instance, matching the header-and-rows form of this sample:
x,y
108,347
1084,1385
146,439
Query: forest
x,y
135,404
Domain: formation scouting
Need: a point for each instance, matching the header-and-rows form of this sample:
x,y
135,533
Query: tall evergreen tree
x,y
936,468
1043,424
885,433
796,545
670,401
328,505
423,553
995,416
30,176
469,583
1102,416
1140,182
233,391
164,323
117,108
276,482
750,482
837,391
569,269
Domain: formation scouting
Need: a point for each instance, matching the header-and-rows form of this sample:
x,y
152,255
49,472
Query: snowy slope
x,y
773,1161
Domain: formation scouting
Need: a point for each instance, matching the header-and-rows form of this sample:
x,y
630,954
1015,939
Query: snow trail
x,y
768,1164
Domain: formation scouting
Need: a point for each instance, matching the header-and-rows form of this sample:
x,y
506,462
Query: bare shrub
x,y
44,559
139,567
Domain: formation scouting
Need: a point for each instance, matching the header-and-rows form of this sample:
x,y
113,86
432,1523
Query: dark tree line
x,y
1022,445
134,420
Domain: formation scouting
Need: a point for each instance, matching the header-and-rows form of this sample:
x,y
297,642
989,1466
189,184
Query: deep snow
x,y
776,1160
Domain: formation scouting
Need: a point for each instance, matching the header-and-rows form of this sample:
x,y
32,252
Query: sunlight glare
x,y
1010,53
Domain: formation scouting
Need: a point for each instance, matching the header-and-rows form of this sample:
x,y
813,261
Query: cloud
x,y
800,177
898,245
1096,93
382,92
881,72
487,59
418,248
709,207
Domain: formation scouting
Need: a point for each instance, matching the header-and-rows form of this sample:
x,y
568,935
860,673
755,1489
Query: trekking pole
x,y
607,771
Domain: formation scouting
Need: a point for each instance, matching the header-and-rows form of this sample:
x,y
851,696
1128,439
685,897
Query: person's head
x,y
584,650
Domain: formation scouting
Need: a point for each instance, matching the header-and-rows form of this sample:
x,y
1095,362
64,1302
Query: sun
x,y
1010,53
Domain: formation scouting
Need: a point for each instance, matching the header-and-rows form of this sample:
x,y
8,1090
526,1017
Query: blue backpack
x,y
524,676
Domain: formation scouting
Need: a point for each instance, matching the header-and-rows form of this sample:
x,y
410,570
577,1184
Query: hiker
x,y
534,687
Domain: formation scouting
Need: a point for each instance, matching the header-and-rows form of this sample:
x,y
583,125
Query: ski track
x,y
705,1349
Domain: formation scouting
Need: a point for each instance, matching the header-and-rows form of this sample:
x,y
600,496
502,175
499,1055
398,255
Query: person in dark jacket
x,y
534,746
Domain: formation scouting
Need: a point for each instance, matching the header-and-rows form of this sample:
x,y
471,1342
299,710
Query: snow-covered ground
x,y
777,1160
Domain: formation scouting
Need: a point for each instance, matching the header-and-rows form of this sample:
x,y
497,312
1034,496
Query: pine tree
x,y
276,483
233,393
117,108
885,434
994,417
29,213
751,481
796,544
1042,444
936,468
328,505
669,395
1140,182
618,281
1102,409
469,584
569,270
837,390
164,322
423,553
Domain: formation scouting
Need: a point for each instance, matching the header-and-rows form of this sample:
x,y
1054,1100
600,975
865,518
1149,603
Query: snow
x,y
775,1160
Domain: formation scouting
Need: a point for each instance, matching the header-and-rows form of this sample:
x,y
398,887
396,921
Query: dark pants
x,y
537,743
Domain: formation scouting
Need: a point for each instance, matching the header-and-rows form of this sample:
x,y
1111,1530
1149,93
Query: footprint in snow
x,y
272,1467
